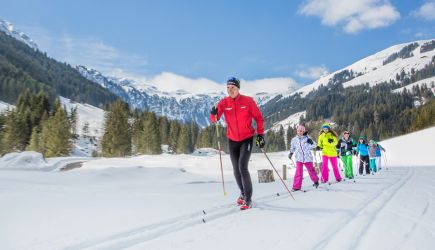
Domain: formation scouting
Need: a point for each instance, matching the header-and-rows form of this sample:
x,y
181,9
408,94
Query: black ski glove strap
x,y
259,141
213,111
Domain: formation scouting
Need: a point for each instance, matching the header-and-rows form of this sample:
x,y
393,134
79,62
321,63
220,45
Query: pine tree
x,y
12,133
174,130
151,135
164,130
183,140
116,141
35,144
56,134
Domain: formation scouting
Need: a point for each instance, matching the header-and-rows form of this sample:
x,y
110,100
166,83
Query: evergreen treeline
x,y
36,125
141,132
23,68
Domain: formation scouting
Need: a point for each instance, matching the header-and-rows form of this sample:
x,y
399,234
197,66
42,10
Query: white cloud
x,y
313,73
354,16
171,82
426,11
87,51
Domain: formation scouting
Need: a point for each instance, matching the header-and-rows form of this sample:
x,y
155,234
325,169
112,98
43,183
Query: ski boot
x,y
241,200
246,205
316,184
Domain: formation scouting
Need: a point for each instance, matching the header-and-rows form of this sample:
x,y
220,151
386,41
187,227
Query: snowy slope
x,y
86,113
5,106
162,201
9,29
292,121
372,69
430,82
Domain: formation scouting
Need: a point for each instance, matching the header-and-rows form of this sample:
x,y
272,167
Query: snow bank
x,y
414,149
206,152
23,160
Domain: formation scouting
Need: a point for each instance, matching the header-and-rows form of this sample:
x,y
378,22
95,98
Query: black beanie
x,y
233,81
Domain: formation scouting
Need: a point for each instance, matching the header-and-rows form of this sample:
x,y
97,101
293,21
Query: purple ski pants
x,y
297,182
325,173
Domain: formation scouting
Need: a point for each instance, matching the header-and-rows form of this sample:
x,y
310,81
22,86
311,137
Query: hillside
x,y
23,67
367,97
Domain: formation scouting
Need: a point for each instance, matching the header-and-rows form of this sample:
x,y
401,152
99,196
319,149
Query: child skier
x,y
346,146
300,146
362,149
378,155
327,142
372,155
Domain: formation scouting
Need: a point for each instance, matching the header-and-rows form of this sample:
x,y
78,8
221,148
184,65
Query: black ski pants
x,y
240,152
364,160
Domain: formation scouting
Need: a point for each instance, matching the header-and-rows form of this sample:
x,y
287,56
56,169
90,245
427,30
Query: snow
x,y
86,113
292,121
428,81
160,202
5,106
410,150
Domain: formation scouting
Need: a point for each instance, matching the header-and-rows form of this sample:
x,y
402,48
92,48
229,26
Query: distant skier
x,y
373,148
362,149
347,147
327,142
379,155
239,111
301,146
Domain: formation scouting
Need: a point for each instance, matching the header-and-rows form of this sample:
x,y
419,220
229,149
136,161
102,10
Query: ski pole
x,y
385,159
220,157
277,173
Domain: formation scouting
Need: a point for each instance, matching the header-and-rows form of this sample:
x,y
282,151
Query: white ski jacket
x,y
302,149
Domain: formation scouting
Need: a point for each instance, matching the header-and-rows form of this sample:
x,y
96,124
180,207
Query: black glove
x,y
318,148
213,111
290,155
330,140
259,141
309,141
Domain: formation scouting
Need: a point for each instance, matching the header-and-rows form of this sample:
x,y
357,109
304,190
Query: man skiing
x,y
346,146
301,146
327,142
239,111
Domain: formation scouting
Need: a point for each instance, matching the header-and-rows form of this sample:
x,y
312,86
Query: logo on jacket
x,y
228,108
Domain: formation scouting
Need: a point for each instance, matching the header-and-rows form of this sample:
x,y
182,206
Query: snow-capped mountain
x,y
180,104
380,67
9,29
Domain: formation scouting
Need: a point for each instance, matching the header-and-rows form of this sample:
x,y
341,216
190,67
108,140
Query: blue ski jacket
x,y
362,149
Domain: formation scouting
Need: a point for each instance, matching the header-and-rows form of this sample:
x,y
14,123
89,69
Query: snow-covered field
x,y
176,202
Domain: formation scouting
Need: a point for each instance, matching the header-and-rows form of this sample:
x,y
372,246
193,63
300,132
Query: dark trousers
x,y
240,152
364,160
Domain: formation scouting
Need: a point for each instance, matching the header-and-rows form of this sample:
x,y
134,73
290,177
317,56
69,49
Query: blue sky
x,y
293,40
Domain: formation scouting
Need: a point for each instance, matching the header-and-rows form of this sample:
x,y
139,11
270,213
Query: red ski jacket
x,y
239,113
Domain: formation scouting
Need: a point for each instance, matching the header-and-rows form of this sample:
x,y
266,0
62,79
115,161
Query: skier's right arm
x,y
215,113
